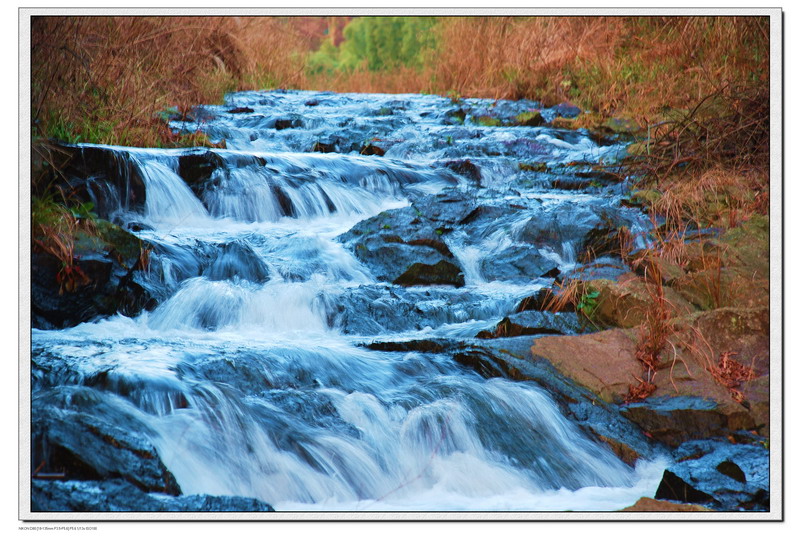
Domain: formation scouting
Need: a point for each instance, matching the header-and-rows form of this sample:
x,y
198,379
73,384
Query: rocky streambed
x,y
343,310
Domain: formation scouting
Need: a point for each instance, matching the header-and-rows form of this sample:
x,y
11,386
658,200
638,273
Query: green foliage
x,y
588,302
377,44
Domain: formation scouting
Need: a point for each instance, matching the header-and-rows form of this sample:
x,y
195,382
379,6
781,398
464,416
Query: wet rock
x,y
567,110
732,470
456,116
390,243
695,475
442,273
606,240
106,278
465,168
104,177
677,419
516,264
375,310
241,110
293,122
674,488
323,147
237,260
529,323
417,345
572,183
196,168
119,496
80,434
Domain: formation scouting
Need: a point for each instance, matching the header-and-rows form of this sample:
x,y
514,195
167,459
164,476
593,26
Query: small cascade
x,y
169,200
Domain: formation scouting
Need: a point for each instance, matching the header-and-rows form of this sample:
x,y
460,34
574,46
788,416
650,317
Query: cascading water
x,y
250,375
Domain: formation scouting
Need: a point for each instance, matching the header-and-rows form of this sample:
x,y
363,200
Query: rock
x,y
620,125
529,323
442,273
572,183
531,118
675,420
390,243
544,300
119,496
695,476
79,434
465,168
605,363
294,122
241,110
107,279
323,147
376,310
650,505
196,168
567,110
647,263
626,303
732,470
107,178
520,264
417,345
605,241
602,362
506,358
237,260
372,149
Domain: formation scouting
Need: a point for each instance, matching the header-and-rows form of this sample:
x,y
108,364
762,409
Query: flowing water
x,y
251,375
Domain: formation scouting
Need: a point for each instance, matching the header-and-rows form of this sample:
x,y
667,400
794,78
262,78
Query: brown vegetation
x,y
106,79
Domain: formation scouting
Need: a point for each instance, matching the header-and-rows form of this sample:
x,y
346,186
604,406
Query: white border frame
x,y
776,275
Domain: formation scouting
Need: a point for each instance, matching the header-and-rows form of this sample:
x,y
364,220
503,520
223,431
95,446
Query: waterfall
x,y
251,373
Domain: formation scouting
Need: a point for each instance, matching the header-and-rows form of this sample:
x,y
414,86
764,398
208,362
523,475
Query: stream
x,y
332,224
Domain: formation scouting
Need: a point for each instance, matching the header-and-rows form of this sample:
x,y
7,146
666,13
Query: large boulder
x,y
403,247
80,434
692,398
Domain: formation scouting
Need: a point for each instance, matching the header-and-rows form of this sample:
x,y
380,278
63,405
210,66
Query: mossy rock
x,y
625,304
531,118
487,121
643,198
621,125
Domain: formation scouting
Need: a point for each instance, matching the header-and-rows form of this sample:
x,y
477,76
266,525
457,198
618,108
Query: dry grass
x,y
636,66
105,79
